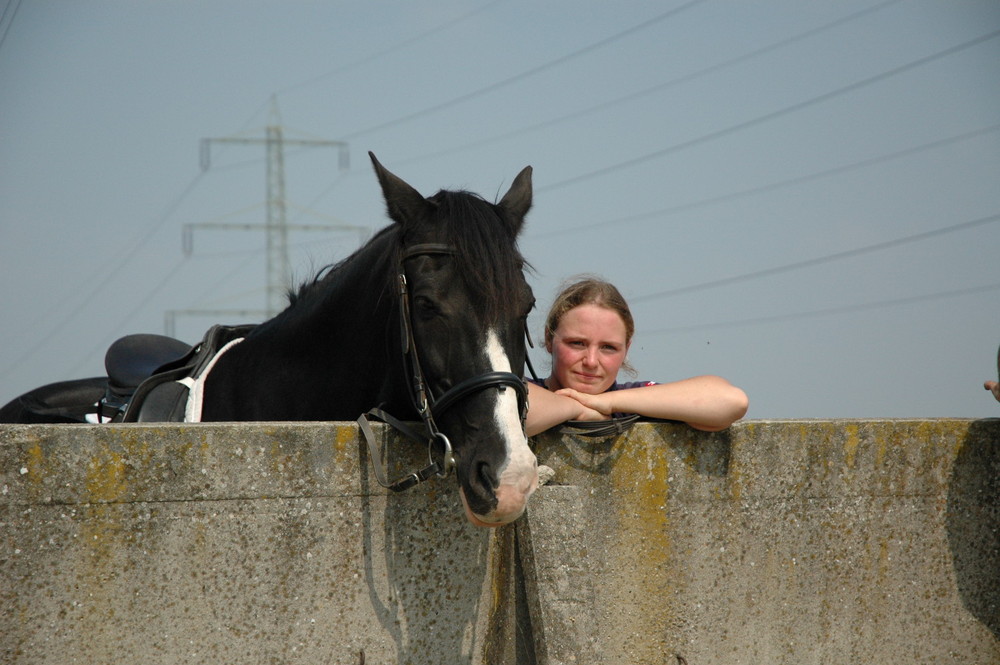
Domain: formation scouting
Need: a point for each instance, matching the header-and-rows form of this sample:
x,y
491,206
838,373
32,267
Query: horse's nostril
x,y
486,476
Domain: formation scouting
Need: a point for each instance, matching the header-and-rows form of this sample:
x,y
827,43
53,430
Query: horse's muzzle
x,y
511,498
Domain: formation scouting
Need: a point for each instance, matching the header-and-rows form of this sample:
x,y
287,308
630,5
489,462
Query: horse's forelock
x,y
486,254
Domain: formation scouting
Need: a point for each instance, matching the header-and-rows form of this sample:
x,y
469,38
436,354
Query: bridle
x,y
424,401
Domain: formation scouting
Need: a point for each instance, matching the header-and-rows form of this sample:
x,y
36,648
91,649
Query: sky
x,y
801,196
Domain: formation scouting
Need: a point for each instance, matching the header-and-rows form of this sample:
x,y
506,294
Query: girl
x,y
588,332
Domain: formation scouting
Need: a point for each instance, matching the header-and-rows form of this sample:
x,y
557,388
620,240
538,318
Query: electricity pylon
x,y
276,226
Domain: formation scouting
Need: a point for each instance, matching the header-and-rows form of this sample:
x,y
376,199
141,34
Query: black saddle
x,y
133,359
142,384
144,370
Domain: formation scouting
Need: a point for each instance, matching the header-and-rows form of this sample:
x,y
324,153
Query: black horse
x,y
427,320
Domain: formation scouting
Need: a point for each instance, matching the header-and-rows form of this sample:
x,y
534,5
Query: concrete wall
x,y
777,542
774,542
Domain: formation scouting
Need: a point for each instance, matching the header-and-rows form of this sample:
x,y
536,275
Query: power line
x,y
107,339
250,259
498,85
770,116
326,190
126,255
13,15
732,196
527,73
363,61
700,73
85,302
845,309
276,229
798,265
686,78
392,49
256,252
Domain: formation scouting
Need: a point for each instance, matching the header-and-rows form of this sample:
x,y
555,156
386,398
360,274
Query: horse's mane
x,y
486,253
329,276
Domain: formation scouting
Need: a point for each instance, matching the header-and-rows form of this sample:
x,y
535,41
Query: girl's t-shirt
x,y
614,386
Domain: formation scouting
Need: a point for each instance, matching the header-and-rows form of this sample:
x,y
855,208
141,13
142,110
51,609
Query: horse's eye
x,y
425,307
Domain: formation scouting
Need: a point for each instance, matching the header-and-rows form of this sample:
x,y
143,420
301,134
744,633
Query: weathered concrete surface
x,y
774,542
233,544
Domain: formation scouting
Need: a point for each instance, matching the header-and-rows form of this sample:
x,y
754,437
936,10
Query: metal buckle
x,y
447,456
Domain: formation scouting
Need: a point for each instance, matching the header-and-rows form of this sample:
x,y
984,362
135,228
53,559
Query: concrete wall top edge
x,y
161,462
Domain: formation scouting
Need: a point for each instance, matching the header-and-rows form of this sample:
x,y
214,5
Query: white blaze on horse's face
x,y
519,474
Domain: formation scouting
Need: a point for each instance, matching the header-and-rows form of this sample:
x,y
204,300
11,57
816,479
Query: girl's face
x,y
588,348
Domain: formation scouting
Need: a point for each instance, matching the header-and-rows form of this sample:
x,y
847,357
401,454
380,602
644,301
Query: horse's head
x,y
466,304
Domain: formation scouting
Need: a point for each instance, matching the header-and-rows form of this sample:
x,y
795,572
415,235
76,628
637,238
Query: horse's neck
x,y
358,296
317,360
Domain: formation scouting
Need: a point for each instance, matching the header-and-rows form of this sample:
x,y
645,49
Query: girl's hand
x,y
596,404
587,413
547,409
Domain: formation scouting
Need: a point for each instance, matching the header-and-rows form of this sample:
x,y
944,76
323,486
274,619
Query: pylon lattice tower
x,y
276,226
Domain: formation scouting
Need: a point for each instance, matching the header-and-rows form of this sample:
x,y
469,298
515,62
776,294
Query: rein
x,y
423,398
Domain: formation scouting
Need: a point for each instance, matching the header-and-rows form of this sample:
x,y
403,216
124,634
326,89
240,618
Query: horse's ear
x,y
517,200
402,201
